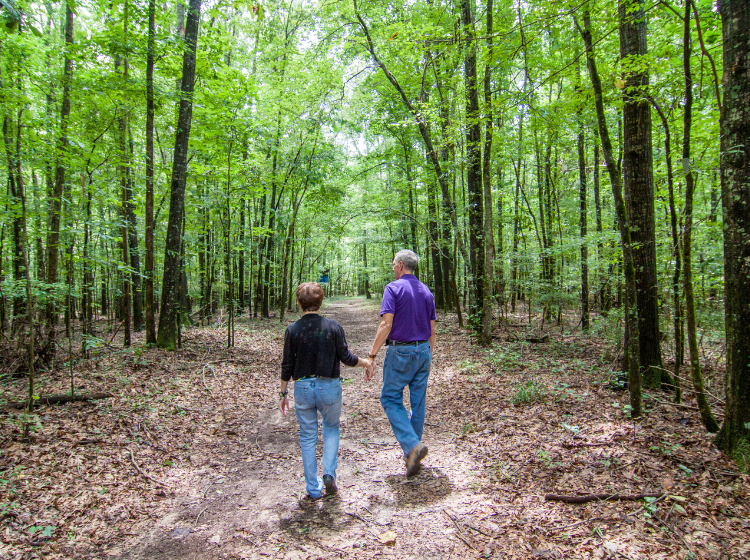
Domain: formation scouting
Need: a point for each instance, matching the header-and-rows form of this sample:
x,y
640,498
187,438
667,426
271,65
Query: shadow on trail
x,y
326,514
430,485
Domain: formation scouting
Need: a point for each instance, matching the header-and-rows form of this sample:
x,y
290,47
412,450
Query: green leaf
x,y
72,5
47,531
34,30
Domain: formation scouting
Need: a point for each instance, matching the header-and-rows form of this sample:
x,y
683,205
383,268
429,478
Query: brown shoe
x,y
414,460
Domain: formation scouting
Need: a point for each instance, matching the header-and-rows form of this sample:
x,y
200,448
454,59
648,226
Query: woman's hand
x,y
370,371
369,367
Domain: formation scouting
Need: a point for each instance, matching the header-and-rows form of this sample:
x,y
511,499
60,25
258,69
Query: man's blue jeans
x,y
406,366
310,397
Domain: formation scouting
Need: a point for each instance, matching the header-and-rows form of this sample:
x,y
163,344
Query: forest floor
x,y
190,458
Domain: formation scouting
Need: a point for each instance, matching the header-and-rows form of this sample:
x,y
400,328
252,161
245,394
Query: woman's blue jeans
x,y
311,396
406,366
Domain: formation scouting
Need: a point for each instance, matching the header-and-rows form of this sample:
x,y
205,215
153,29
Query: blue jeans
x,y
310,397
406,365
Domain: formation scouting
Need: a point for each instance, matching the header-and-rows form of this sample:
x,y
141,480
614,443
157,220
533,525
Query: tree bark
x,y
631,316
167,335
53,237
488,233
148,265
734,436
474,172
707,416
583,223
637,170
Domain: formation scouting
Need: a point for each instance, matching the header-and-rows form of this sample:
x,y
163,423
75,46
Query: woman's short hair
x,y
310,296
409,258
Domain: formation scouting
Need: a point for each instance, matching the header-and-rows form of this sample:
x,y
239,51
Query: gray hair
x,y
409,258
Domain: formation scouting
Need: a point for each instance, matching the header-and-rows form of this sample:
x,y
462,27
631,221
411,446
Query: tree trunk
x,y
148,265
676,251
583,221
488,233
631,316
126,193
734,437
637,170
53,237
167,335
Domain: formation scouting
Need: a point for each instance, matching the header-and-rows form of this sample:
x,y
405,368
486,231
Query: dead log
x,y
597,497
61,399
538,339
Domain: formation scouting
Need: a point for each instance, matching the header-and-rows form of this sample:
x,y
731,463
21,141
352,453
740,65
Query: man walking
x,y
407,327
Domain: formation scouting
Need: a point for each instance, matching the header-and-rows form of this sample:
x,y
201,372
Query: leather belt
x,y
390,342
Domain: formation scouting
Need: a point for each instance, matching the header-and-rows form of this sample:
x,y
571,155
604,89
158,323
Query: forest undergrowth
x,y
190,458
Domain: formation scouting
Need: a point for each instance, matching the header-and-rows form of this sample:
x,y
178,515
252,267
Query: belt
x,y
390,342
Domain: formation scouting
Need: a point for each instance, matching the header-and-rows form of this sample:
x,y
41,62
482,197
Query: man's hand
x,y
370,372
284,405
368,366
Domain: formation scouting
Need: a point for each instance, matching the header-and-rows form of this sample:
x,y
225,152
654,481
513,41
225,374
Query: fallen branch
x,y
597,497
116,331
61,399
145,475
569,444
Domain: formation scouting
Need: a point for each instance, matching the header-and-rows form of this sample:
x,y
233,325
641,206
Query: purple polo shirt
x,y
413,307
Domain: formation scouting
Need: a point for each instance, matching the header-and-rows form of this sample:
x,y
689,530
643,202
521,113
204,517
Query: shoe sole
x,y
331,489
417,466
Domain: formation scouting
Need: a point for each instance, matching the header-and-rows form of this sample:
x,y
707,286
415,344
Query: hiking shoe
x,y
330,484
414,460
307,501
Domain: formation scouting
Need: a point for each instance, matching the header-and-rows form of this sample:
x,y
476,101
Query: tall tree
x,y
167,335
734,436
637,171
631,313
55,207
687,274
583,221
474,170
488,233
148,265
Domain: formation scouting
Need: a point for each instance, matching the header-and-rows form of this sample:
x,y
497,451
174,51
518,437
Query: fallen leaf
x,y
389,537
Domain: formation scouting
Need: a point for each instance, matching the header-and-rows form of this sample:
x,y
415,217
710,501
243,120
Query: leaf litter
x,y
190,458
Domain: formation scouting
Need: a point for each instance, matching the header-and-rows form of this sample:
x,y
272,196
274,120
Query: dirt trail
x,y
482,491
243,503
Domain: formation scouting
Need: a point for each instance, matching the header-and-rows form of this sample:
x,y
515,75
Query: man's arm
x,y
386,323
432,337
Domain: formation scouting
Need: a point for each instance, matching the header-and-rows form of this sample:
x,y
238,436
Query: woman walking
x,y
313,348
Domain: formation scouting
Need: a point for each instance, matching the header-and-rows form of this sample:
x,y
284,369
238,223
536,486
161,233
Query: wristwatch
x,y
283,394
372,356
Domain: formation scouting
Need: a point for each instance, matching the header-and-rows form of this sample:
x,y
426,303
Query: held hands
x,y
284,405
370,371
369,366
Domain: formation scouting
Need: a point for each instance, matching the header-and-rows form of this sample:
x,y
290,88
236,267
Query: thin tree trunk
x,y
488,233
631,315
676,253
148,265
695,366
167,335
583,221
